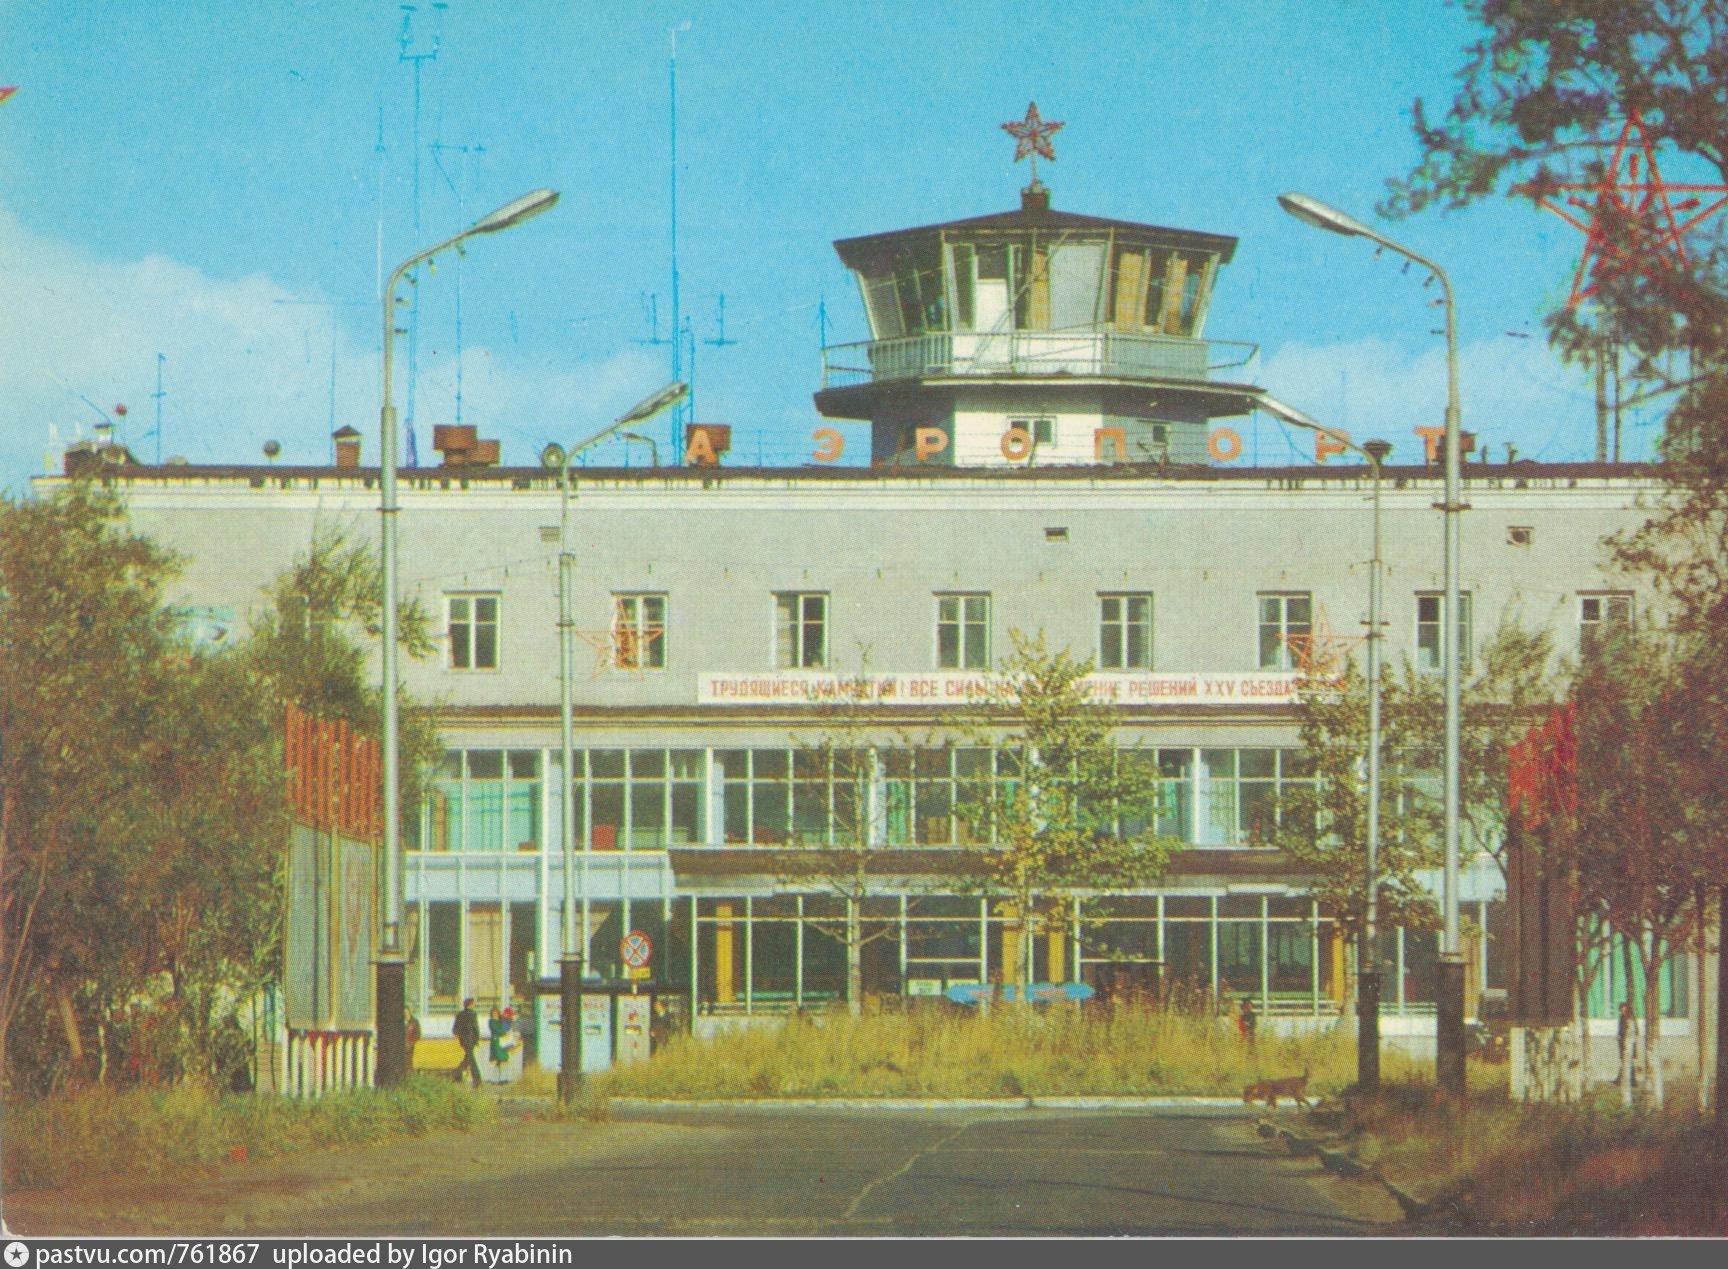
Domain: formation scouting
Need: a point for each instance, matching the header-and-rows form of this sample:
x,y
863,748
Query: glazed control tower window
x,y
980,281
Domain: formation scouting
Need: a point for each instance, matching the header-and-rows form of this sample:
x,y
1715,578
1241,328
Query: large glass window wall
x,y
1201,951
498,800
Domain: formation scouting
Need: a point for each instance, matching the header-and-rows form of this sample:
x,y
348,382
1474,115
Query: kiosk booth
x,y
623,1020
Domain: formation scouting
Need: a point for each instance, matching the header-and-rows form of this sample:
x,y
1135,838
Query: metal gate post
x,y
1449,1027
1368,1031
392,1061
570,1028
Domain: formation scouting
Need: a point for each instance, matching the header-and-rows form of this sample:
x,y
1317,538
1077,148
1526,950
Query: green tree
x,y
1068,814
1324,826
842,769
83,632
140,790
311,643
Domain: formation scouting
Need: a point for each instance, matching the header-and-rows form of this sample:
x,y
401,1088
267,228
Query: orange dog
x,y
1269,1091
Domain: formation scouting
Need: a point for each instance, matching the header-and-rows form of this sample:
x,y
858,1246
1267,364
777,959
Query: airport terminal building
x,y
1051,451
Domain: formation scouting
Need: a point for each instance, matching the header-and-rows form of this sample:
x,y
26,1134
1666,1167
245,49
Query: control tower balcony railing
x,y
1028,353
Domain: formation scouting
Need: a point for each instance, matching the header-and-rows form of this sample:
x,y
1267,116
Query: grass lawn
x,y
98,1131
1009,1052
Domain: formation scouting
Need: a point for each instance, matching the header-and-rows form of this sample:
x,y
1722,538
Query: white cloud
x,y
1512,390
247,360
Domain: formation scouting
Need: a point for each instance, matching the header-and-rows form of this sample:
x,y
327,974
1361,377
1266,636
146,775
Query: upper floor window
x,y
1284,617
1429,623
1600,616
471,622
1125,632
1042,431
963,632
639,632
800,630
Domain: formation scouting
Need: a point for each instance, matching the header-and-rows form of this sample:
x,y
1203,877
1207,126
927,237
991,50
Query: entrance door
x,y
486,953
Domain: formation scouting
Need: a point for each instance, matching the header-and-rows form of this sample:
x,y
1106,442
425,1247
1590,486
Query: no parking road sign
x,y
637,949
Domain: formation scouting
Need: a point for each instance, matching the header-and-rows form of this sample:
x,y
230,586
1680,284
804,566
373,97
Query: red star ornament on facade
x,y
1635,223
1319,654
1032,138
620,647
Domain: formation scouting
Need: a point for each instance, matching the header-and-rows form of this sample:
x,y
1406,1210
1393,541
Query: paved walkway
x,y
765,1171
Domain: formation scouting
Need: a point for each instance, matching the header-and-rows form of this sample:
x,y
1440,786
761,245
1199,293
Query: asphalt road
x,y
787,1172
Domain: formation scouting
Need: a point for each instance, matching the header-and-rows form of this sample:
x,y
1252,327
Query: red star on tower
x,y
1635,223
1032,138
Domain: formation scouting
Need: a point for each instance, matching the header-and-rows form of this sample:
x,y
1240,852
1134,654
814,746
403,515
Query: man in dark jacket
x,y
467,1033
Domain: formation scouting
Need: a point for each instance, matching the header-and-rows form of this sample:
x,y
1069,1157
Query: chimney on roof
x,y
347,447
461,446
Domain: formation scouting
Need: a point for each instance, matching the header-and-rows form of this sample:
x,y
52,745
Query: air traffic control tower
x,y
1036,337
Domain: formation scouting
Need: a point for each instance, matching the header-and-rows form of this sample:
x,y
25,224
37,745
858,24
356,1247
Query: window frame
x,y
471,626
1466,623
798,626
627,648
1589,630
1285,660
1123,624
961,623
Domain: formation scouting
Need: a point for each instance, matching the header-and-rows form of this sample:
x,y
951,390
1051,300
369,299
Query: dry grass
x,y
1595,1168
100,1132
1009,1052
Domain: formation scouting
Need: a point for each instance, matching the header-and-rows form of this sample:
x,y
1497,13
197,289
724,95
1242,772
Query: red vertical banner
x,y
333,775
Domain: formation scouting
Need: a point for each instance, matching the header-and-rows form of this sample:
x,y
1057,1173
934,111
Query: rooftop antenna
x,y
157,397
651,315
720,340
460,189
677,413
100,412
416,60
330,307
378,285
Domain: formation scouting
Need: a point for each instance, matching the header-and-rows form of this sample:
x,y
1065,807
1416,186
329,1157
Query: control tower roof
x,y
1032,216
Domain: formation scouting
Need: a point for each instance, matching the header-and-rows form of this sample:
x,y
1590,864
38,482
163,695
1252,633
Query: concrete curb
x,y
913,1103
1344,1164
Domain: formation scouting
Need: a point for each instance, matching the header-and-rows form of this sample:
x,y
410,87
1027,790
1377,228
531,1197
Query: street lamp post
x,y
1449,1038
1368,973
391,1063
570,958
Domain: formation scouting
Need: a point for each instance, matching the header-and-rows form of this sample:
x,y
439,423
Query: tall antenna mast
x,y
460,189
416,60
677,412
157,396
378,285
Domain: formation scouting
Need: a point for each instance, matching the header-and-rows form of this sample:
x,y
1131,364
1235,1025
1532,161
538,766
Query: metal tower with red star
x,y
1032,138
1635,224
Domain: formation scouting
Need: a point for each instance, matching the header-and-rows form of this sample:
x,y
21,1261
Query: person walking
x,y
1246,1019
498,1046
411,1037
467,1033
1627,1034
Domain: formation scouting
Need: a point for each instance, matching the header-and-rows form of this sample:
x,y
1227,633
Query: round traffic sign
x,y
636,948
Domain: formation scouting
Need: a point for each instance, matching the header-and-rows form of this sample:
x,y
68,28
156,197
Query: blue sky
x,y
203,182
